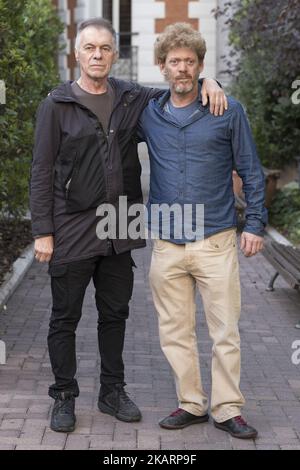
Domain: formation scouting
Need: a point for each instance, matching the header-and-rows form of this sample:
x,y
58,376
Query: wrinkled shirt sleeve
x,y
248,167
139,131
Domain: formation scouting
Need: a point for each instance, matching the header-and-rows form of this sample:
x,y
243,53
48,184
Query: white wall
x,y
208,28
64,15
144,14
88,9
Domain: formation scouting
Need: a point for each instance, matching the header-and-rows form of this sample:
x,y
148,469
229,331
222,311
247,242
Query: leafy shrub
x,y
285,211
266,45
29,31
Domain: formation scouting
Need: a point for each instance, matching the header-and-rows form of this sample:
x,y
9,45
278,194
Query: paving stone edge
x,y
19,269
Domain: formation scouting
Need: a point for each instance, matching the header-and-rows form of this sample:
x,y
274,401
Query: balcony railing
x,y
126,68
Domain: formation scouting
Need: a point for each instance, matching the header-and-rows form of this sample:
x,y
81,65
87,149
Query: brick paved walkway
x,y
270,382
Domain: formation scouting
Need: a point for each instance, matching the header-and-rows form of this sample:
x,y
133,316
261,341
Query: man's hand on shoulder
x,y
216,96
43,248
251,244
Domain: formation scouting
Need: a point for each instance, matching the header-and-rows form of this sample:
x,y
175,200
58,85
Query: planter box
x,y
271,178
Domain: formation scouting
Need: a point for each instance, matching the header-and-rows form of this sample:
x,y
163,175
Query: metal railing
x,y
126,68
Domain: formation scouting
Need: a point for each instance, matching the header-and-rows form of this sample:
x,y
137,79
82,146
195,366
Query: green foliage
x,y
29,31
266,44
285,212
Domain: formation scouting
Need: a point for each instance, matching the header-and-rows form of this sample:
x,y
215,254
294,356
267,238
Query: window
x,y
124,26
125,23
107,9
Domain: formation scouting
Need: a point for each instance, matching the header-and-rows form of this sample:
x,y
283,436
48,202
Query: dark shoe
x,y
237,427
117,403
179,419
63,417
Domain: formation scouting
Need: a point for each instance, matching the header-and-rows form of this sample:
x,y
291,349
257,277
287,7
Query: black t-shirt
x,y
101,105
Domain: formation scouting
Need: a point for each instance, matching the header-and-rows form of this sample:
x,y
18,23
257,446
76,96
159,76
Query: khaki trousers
x,y
211,265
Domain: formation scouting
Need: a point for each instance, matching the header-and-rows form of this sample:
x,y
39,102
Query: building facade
x,y
138,22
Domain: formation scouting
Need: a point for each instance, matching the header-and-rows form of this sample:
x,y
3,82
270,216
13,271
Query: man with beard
x,y
192,156
85,155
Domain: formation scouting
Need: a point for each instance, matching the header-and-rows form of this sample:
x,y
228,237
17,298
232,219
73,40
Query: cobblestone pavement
x,y
270,380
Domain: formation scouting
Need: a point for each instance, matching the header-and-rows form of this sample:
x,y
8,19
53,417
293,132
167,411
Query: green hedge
x,y
29,31
284,213
264,64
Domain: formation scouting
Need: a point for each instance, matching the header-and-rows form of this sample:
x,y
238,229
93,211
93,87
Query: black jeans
x,y
113,281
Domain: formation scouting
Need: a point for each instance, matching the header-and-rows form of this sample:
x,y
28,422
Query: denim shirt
x,y
192,162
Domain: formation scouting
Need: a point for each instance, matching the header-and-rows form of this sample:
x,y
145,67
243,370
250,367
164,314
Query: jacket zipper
x,y
111,131
116,106
67,188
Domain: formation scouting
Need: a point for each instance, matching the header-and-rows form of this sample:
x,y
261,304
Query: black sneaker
x,y
237,427
63,417
117,403
180,419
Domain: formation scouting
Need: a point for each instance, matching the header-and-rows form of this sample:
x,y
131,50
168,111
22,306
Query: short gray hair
x,y
98,23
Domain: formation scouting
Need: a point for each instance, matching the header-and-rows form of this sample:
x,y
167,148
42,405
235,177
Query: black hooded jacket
x,y
76,167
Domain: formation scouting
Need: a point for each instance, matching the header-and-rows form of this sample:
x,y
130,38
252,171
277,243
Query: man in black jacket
x,y
85,155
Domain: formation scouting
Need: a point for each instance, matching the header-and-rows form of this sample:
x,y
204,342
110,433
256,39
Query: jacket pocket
x,y
162,245
57,270
70,180
85,188
222,240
